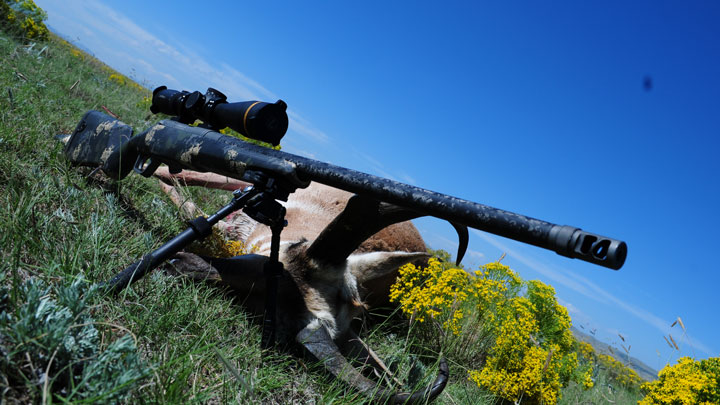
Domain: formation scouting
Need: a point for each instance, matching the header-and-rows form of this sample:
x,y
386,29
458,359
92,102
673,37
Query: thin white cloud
x,y
303,127
476,254
117,40
408,179
578,317
235,75
377,168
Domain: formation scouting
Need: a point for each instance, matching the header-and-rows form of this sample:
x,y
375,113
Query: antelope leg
x,y
188,209
193,178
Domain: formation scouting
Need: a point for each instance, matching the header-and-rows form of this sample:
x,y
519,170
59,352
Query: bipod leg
x,y
273,271
199,228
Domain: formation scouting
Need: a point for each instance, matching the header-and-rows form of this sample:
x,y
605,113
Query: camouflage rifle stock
x,y
106,143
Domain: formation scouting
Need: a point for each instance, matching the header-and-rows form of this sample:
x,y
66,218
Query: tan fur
x,y
318,294
331,295
311,209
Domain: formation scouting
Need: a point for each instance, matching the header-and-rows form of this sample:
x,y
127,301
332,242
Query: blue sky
x,y
523,106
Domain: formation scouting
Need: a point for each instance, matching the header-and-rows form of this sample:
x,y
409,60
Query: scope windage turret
x,y
255,119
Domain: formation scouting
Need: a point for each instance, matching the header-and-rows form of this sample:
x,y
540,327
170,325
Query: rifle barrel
x,y
565,240
105,141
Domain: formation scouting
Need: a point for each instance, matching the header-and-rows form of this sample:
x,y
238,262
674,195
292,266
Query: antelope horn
x,y
464,238
318,342
356,349
361,218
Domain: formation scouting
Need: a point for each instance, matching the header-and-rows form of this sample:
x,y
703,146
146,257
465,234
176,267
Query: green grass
x,y
57,223
606,391
60,224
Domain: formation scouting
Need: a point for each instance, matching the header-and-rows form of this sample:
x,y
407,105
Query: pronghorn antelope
x,y
340,255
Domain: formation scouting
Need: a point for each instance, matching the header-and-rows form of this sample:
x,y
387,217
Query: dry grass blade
x,y
668,342
75,84
673,342
112,114
46,386
682,325
234,372
547,361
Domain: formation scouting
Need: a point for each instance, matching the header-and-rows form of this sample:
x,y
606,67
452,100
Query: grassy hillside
x,y
165,340
646,372
58,223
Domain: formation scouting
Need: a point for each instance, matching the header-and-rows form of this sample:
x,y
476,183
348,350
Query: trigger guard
x,y
146,170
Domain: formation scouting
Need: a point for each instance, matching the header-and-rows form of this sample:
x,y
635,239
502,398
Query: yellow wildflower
x,y
687,382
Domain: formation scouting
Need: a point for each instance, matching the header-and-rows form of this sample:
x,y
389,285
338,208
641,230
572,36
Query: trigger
x,y
174,169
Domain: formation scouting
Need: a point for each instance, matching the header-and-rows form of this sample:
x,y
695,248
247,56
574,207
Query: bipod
x,y
199,228
265,209
257,201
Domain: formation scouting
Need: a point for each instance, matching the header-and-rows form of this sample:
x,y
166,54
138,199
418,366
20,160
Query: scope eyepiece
x,y
257,120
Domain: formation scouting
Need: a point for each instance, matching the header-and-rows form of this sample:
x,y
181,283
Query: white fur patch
x,y
368,266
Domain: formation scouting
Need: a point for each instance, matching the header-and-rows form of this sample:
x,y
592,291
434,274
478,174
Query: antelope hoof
x,y
192,266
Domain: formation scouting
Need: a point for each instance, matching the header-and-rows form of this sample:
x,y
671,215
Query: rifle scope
x,y
255,119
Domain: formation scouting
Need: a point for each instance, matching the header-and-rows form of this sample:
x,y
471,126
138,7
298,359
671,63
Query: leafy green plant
x,y
52,346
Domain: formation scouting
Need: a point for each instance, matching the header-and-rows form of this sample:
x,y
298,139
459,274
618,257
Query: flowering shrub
x,y
532,354
119,79
532,357
623,375
124,81
586,364
218,245
145,103
25,18
230,132
76,52
586,351
687,382
432,293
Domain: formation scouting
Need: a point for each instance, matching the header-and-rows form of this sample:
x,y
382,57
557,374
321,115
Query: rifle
x,y
106,143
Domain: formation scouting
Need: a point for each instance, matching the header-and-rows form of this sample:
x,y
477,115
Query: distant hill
x,y
644,371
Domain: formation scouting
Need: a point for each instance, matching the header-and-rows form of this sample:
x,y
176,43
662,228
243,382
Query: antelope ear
x,y
370,266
